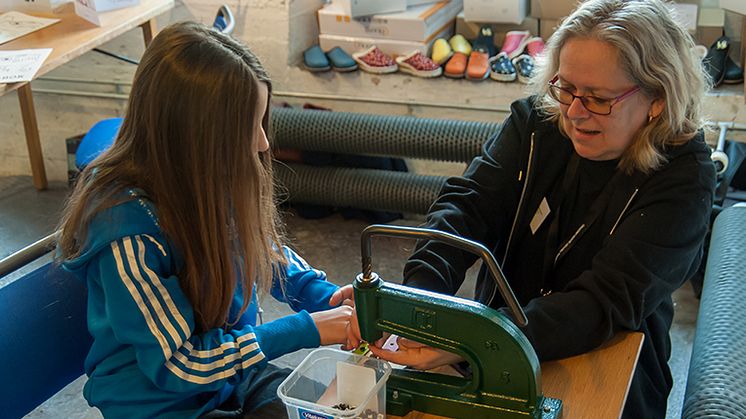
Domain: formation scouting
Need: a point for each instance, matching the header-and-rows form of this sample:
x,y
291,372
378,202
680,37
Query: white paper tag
x,y
354,383
540,216
391,343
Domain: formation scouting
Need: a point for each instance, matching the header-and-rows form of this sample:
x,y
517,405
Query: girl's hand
x,y
333,326
343,295
415,355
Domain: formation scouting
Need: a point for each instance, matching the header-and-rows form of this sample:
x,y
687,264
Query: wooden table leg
x,y
149,29
743,49
32,136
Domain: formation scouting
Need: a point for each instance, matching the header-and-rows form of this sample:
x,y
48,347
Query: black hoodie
x,y
639,242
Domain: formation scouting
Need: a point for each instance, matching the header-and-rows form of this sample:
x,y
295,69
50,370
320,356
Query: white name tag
x,y
540,216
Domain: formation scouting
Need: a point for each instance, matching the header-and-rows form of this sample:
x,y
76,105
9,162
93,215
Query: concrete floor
x,y
330,244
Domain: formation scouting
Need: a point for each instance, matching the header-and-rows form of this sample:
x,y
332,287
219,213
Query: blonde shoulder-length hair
x,y
189,141
655,52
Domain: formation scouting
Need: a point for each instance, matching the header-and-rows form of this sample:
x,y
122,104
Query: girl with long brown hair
x,y
175,228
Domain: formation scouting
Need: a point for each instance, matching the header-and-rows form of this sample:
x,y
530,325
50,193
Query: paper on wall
x,y
16,24
21,65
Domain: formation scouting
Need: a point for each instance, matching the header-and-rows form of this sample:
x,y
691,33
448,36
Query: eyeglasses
x,y
597,105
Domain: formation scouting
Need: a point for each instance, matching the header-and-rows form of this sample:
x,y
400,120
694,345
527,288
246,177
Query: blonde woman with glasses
x,y
595,194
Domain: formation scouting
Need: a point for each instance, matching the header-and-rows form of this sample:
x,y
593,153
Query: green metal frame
x,y
505,381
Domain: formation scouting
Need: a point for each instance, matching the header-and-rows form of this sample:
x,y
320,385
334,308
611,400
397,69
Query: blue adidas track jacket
x,y
146,360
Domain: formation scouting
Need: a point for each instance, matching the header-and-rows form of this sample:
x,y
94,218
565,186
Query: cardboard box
x,y
353,44
496,11
685,15
358,8
418,23
411,3
547,27
738,6
470,30
27,6
552,9
91,9
710,25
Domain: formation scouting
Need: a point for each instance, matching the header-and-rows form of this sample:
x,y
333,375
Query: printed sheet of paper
x,y
21,65
17,24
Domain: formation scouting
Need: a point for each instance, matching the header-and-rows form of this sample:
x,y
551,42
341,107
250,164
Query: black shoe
x,y
733,73
715,60
485,42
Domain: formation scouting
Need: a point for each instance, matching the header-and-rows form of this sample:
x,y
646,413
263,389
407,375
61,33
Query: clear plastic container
x,y
311,391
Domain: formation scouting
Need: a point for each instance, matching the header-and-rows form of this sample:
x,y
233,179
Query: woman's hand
x,y
334,326
415,355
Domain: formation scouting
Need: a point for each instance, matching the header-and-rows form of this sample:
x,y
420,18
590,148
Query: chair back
x,y
44,337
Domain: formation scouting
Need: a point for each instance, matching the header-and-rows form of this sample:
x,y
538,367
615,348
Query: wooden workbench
x,y
591,385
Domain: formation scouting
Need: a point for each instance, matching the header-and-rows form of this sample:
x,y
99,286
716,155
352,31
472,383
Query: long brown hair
x,y
188,140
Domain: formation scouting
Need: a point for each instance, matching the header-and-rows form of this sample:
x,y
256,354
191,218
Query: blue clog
x,y
341,61
315,60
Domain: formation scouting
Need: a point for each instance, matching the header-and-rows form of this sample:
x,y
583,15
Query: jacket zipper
x,y
520,201
629,201
571,241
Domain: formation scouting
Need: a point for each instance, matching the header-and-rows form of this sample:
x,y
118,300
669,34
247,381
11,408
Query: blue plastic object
x,y
102,135
98,139
44,337
219,23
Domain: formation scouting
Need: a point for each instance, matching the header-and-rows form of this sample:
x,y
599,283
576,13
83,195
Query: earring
x,y
650,118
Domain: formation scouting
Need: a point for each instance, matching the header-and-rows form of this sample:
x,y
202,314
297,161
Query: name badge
x,y
540,216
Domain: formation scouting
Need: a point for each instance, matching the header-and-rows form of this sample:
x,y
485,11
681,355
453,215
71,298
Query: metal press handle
x,y
451,239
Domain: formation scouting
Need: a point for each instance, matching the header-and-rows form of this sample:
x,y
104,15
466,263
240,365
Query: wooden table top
x,y
73,36
591,385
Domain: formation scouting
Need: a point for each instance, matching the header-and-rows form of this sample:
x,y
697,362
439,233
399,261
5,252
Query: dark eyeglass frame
x,y
612,101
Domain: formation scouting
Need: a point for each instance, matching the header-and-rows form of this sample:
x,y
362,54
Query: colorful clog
x,y
315,60
442,51
341,61
456,66
417,64
515,42
375,61
460,44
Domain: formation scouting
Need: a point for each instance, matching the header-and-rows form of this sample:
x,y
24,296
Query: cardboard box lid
x,y
424,12
360,8
685,15
553,9
418,23
711,17
738,6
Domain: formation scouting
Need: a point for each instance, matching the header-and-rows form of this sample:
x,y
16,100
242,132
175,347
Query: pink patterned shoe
x,y
535,46
373,60
417,64
515,42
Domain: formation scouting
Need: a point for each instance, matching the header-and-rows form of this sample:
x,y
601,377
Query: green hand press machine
x,y
506,378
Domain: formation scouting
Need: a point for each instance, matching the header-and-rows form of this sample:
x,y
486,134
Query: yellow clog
x,y
441,51
460,44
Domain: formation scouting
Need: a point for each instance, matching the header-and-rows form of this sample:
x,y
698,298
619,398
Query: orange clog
x,y
479,66
456,66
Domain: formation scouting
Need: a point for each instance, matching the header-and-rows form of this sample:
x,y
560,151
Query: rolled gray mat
x,y
716,383
380,135
357,188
